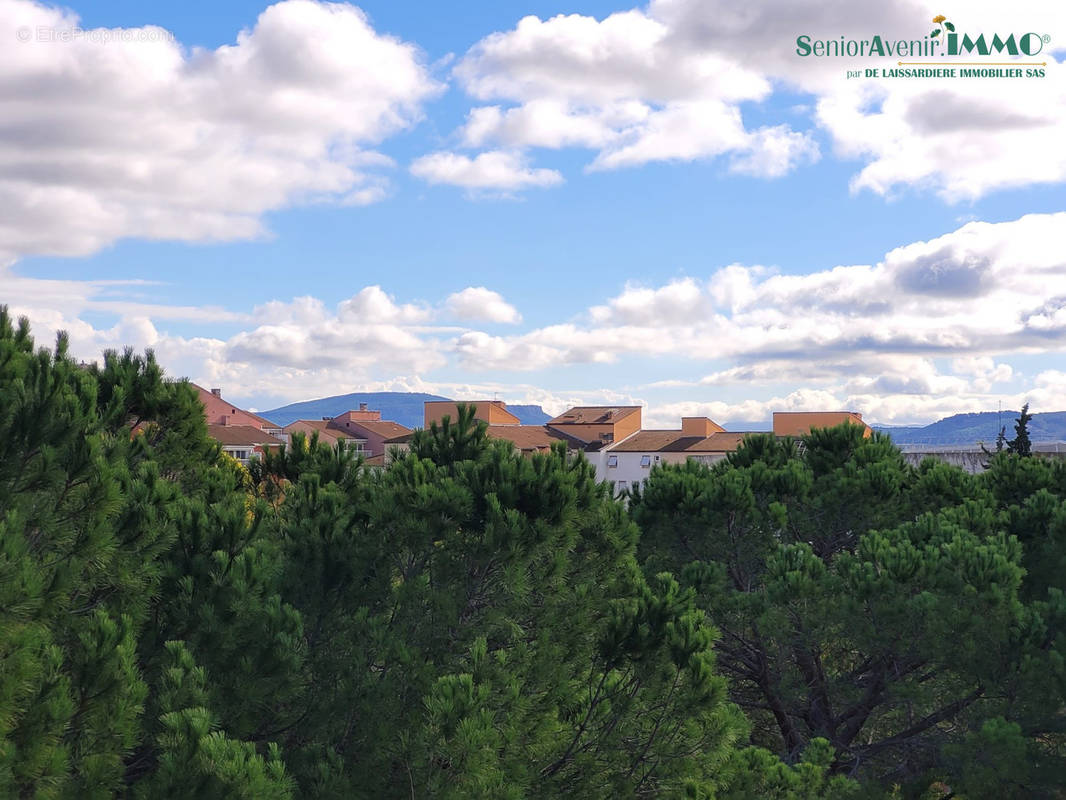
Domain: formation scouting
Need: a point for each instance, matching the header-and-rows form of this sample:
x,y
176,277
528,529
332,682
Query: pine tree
x,y
875,606
1020,444
476,625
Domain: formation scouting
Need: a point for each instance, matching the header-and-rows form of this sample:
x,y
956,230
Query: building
x,y
241,433
369,428
597,425
242,442
363,430
326,435
220,411
492,412
629,462
800,423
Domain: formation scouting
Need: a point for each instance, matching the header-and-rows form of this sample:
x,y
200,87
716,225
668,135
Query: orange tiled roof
x,y
593,415
240,435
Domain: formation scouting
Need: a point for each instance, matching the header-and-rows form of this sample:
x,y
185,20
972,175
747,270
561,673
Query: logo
x,y
940,19
944,40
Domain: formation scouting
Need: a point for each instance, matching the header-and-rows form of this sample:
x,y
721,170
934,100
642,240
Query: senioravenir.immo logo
x,y
943,40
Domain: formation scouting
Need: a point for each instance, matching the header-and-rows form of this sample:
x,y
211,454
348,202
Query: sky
x,y
555,202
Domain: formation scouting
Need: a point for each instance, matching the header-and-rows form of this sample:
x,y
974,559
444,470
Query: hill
x,y
405,408
979,427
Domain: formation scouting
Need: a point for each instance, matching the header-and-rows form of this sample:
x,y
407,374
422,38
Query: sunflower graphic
x,y
940,19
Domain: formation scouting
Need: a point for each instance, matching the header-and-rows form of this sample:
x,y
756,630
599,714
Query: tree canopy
x,y
809,619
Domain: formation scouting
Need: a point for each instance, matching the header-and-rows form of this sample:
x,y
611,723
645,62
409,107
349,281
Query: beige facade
x,y
494,412
800,423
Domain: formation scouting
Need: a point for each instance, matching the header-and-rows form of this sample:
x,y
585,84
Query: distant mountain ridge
x,y
961,429
977,427
405,408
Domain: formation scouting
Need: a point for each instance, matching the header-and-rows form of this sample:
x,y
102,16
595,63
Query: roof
x,y
262,420
646,441
319,426
593,415
675,442
526,437
375,461
403,439
724,442
493,412
240,436
383,428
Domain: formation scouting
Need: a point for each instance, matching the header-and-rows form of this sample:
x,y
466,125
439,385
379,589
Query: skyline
x,y
659,205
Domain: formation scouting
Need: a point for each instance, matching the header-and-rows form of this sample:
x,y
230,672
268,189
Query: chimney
x,y
699,426
362,406
216,392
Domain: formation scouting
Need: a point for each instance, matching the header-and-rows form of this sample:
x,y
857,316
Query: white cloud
x,y
980,291
621,86
479,303
667,83
125,133
930,329
493,170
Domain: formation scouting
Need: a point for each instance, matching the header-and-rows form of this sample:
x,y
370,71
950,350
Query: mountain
x,y
748,426
969,429
530,415
405,408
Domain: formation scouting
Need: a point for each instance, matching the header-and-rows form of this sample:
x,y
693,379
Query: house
x,y
220,411
502,424
492,412
800,423
364,430
629,462
241,433
326,435
598,425
242,442
369,427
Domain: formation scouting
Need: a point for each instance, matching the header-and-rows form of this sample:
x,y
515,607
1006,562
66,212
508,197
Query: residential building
x,y
220,411
629,462
368,427
364,430
598,425
493,412
326,435
242,442
800,423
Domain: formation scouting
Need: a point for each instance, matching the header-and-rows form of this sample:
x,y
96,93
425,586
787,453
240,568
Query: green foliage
x,y
887,610
1020,444
473,623
480,619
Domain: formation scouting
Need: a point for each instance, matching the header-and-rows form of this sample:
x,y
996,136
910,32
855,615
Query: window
x,y
612,461
621,486
645,461
240,455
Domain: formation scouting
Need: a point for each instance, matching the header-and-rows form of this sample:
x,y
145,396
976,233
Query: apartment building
x,y
363,430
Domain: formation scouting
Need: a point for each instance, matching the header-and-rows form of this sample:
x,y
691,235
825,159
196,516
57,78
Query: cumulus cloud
x,y
931,328
870,330
493,170
478,303
667,82
125,133
620,86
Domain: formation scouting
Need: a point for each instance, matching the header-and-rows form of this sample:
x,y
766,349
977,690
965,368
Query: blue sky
x,y
659,204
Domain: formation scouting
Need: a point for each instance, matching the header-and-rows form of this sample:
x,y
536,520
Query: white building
x,y
629,462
